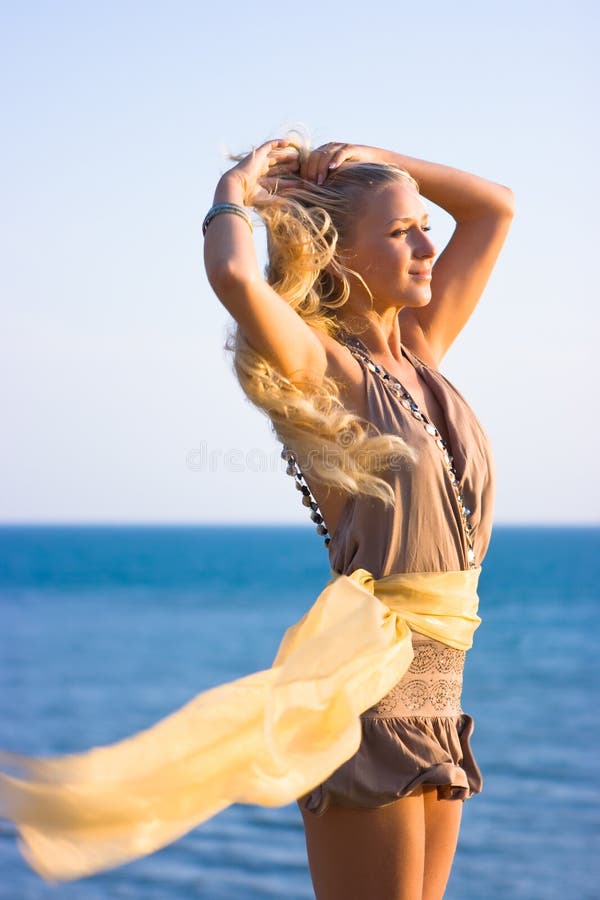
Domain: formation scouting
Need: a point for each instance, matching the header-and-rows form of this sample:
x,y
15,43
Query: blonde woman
x,y
359,718
340,343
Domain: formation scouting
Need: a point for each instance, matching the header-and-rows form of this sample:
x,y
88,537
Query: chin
x,y
417,302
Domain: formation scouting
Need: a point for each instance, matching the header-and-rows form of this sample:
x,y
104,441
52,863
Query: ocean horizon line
x,y
127,523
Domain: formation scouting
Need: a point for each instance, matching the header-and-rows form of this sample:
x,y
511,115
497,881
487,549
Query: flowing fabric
x,y
266,738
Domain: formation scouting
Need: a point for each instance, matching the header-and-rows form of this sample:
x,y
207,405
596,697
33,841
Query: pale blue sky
x,y
114,119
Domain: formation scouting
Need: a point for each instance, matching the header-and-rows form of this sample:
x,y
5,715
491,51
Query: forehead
x,y
396,200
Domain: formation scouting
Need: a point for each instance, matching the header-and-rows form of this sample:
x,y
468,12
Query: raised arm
x,y
267,321
483,211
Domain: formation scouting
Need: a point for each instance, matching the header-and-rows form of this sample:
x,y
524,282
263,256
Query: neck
x,y
379,332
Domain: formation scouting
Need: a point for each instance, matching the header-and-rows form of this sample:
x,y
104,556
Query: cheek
x,y
387,259
393,257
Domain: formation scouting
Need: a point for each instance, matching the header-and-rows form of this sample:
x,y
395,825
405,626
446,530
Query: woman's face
x,y
389,252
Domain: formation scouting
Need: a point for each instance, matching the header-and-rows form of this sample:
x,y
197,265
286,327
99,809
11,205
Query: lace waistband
x,y
432,686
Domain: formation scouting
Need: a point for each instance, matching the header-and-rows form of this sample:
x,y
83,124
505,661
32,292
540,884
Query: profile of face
x,y
390,247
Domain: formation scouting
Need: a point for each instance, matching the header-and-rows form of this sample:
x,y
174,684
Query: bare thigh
x,y
368,854
442,825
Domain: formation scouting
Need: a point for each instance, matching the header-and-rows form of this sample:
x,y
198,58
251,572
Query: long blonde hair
x,y
306,227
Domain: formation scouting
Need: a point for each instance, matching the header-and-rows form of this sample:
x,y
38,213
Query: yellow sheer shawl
x,y
266,738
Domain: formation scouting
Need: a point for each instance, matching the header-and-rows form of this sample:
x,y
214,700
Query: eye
x,y
406,230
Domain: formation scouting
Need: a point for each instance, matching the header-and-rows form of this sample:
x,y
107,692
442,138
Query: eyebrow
x,y
406,219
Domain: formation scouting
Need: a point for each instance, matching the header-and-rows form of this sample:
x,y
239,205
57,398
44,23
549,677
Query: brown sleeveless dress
x,y
418,733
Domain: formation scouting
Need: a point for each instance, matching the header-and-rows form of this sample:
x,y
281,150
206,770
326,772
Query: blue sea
x,y
104,630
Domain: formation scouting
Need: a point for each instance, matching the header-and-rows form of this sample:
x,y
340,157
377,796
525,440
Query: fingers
x,y
275,147
339,156
317,166
282,156
278,155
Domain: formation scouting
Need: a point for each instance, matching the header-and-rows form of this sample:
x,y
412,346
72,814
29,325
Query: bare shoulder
x,y
342,365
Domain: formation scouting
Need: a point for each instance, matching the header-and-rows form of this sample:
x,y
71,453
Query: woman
x,y
350,255
358,718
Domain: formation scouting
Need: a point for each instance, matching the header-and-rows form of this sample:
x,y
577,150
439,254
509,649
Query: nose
x,y
426,247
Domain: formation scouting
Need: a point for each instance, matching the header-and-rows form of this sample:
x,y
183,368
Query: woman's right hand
x,y
258,171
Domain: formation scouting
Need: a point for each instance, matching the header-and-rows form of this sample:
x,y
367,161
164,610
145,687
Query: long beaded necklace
x,y
307,498
357,348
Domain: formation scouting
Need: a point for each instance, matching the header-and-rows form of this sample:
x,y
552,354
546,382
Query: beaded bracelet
x,y
223,208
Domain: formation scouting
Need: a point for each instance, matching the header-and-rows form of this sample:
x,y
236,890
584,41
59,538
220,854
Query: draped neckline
x,y
429,376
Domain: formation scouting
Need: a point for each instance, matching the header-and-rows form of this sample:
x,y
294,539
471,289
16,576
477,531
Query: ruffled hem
x,y
396,755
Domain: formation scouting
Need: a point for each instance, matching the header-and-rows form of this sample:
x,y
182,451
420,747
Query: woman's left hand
x,y
318,164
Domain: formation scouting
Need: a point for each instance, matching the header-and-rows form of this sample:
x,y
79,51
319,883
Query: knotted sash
x,y
266,738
